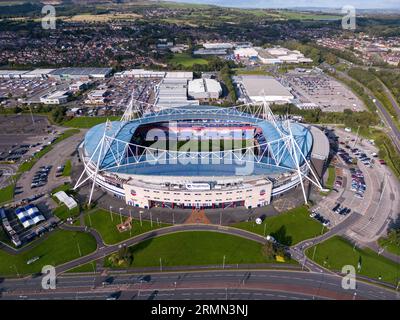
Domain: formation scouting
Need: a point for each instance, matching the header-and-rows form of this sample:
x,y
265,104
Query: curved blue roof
x,y
122,132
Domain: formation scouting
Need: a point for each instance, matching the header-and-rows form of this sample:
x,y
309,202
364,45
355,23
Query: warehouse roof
x,y
263,85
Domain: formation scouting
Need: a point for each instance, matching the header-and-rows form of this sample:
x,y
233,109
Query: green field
x,y
287,228
336,252
88,122
60,247
7,194
62,212
196,248
67,169
107,227
186,60
331,177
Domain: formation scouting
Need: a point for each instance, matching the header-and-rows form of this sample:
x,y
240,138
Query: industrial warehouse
x,y
257,89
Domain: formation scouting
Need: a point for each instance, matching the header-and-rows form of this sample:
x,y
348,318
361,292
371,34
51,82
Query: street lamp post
x,y
223,263
111,213
120,213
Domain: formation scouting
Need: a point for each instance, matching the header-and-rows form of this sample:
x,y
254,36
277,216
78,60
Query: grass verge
x,y
287,228
337,252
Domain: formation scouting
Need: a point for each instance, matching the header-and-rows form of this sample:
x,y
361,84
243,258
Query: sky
x,y
361,4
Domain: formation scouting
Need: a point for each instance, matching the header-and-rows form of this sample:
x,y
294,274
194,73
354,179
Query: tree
x,y
268,250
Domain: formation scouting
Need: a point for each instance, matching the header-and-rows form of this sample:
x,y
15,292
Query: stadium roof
x,y
122,134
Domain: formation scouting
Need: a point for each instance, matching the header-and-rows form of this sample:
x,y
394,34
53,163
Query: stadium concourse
x,y
245,159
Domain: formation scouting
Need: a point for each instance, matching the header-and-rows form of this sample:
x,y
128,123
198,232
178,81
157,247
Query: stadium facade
x,y
265,157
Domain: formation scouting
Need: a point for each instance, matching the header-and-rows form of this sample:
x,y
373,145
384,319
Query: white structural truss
x,y
112,153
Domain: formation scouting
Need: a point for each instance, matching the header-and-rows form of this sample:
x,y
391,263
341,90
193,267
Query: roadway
x,y
229,284
394,132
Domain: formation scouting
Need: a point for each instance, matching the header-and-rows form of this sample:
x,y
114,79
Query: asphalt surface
x,y
223,285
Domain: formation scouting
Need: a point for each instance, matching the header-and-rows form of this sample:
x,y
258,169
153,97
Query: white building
x,y
140,73
173,92
179,75
246,53
37,73
57,97
218,45
256,89
281,55
66,199
204,89
78,86
12,74
96,97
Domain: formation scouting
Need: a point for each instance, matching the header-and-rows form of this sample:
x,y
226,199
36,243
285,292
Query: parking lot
x,y
367,189
20,137
29,90
324,91
117,96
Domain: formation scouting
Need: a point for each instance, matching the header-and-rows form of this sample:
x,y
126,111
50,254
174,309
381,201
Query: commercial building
x,y
78,86
37,73
12,74
57,97
173,92
245,53
279,55
80,73
179,75
204,89
96,97
218,45
210,52
140,73
257,89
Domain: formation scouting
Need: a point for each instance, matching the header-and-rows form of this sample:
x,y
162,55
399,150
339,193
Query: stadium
x,y
202,157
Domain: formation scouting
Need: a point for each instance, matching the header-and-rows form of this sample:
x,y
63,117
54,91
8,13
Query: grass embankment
x,y
337,252
26,166
87,267
88,122
196,248
106,225
61,246
389,246
67,169
287,228
7,194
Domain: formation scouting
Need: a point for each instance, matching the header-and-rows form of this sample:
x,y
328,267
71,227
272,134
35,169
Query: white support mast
x,y
93,175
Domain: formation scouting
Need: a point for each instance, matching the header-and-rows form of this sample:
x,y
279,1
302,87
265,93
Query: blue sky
x,y
362,4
